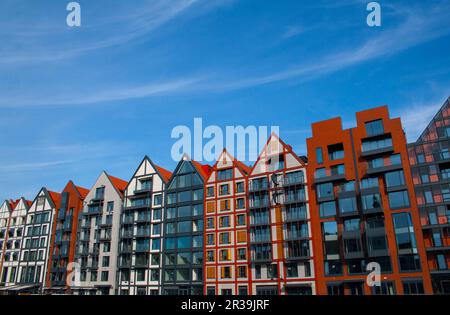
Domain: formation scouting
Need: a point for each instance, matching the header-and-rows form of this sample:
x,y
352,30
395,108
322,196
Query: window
x,y
371,182
240,203
105,261
110,206
105,275
183,242
158,200
394,179
336,152
398,199
386,288
291,270
372,145
210,191
242,290
441,262
351,225
327,209
333,267
240,187
371,202
374,128
240,218
242,253
337,169
242,272
224,221
99,193
210,223
347,205
224,238
320,173
325,190
224,189
225,174
413,287
319,155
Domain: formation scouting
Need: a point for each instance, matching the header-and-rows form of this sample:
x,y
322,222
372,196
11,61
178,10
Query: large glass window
x,y
327,209
325,190
347,205
370,202
394,179
398,199
374,128
319,155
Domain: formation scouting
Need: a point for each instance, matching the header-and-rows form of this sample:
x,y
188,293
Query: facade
x,y
363,207
64,234
141,230
13,243
226,254
34,256
182,264
5,214
98,237
280,235
430,163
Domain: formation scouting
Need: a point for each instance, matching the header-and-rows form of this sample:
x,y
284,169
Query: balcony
x,y
143,233
93,210
334,174
106,222
128,220
143,218
255,186
125,249
382,169
61,214
105,237
126,234
143,190
124,263
443,248
259,203
377,145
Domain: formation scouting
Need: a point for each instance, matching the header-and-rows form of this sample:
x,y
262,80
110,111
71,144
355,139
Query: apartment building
x,y
5,214
430,163
64,235
98,238
141,230
36,242
226,247
12,246
363,207
182,264
280,235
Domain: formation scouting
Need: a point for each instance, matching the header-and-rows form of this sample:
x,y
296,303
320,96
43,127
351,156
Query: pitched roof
x,y
56,197
83,191
118,183
166,175
203,169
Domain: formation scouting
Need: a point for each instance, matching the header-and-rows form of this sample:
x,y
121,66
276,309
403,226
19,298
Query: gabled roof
x,y
82,192
165,174
242,167
54,196
119,184
204,170
16,202
284,145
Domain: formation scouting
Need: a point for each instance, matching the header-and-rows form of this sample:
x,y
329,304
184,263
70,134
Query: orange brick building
x,y
363,207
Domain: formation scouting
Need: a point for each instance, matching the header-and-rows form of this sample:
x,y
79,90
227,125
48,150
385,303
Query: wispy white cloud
x,y
418,27
22,167
112,25
292,31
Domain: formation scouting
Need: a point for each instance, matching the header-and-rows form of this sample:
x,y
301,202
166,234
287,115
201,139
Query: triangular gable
x,y
203,170
52,197
164,174
274,146
225,160
430,132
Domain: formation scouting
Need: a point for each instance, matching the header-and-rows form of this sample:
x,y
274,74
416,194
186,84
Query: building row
x,y
362,200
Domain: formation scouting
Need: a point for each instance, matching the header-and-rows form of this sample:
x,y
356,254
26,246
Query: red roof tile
x,y
166,175
120,184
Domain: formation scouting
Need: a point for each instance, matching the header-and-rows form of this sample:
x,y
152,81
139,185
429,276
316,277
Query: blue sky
x,y
74,102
